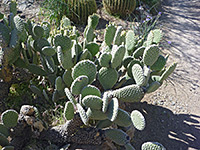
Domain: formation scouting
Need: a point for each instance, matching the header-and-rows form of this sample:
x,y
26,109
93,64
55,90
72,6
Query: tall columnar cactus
x,y
121,7
81,9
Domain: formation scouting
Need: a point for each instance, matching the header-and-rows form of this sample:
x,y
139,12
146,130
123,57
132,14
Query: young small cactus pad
x,y
9,118
152,145
117,136
138,120
69,111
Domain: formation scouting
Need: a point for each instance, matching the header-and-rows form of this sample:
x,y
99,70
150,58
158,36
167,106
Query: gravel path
x,y
173,112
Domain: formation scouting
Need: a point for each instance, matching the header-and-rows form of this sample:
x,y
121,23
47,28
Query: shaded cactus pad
x,y
9,118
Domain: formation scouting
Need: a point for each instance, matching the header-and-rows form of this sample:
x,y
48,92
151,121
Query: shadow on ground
x,y
172,130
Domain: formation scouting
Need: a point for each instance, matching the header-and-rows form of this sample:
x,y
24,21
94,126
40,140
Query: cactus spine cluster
x,y
119,7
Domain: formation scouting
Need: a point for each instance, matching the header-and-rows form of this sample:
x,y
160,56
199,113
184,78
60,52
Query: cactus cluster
x,y
95,78
119,7
8,120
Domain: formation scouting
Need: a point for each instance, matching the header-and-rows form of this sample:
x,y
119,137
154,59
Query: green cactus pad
x,y
93,48
128,146
3,140
93,21
67,78
106,99
19,24
59,84
70,96
69,111
109,34
13,7
38,44
117,38
104,124
151,55
130,41
83,114
138,74
4,130
112,111
48,51
4,34
153,87
85,67
89,34
8,148
85,55
78,84
1,15
9,118
63,41
157,36
50,64
123,118
153,146
55,96
107,77
38,31
45,94
65,58
149,40
96,114
119,7
168,71
36,90
159,64
90,90
92,101
117,136
13,39
105,59
117,56
139,52
126,61
130,93
138,120
130,65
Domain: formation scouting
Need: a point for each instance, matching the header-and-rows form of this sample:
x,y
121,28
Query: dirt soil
x,y
173,112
